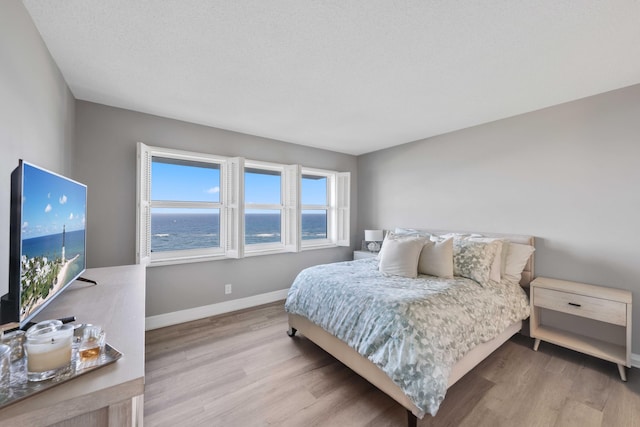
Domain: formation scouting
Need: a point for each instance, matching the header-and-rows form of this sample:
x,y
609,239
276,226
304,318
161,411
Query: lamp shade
x,y
373,235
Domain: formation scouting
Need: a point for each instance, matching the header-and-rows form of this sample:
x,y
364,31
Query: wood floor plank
x,y
241,369
318,413
361,410
461,399
594,386
389,418
577,414
623,405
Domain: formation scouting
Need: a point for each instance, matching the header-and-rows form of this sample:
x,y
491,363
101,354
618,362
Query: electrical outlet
x,y
227,288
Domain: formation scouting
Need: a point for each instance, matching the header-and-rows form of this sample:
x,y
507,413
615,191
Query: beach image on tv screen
x,y
53,236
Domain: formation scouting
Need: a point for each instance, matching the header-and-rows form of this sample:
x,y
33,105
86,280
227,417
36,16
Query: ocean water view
x,y
196,231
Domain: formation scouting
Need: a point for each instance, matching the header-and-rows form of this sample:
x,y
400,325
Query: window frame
x,y
146,154
271,247
330,240
232,208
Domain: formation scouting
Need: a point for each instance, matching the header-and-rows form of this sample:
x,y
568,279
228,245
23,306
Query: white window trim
x,y
329,241
232,208
145,204
342,197
272,247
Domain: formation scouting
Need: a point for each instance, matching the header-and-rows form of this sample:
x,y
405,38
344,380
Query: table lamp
x,y
373,237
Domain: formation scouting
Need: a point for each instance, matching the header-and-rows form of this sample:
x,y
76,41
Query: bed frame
x,y
369,371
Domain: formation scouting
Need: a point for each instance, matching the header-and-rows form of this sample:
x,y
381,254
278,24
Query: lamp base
x,y
373,247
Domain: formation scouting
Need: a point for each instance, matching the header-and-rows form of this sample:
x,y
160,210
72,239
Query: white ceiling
x,y
349,76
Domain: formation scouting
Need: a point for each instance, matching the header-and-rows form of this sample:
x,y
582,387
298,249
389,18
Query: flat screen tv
x,y
47,240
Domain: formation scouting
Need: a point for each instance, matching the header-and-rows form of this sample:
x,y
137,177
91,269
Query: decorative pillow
x,y
436,259
496,266
503,257
516,260
399,255
411,232
441,237
473,259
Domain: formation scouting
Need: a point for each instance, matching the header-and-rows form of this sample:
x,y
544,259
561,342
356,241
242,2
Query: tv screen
x,y
48,239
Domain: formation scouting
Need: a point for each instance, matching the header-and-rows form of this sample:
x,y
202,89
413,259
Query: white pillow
x,y
516,260
436,259
399,255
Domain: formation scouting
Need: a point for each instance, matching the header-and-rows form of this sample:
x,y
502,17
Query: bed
x,y
410,337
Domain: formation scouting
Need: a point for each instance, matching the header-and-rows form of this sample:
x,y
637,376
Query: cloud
x,y
71,216
25,225
213,190
48,195
48,208
63,199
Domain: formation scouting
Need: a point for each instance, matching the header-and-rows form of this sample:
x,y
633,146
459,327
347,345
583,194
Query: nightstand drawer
x,y
580,305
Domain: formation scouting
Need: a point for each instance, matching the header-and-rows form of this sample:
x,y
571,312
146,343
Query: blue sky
x,y
202,184
184,183
49,202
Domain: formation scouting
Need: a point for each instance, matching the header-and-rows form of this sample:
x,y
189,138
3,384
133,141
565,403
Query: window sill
x,y
208,258
185,260
274,251
326,245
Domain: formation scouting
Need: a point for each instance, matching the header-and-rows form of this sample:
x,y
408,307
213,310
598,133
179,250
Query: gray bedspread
x,y
415,330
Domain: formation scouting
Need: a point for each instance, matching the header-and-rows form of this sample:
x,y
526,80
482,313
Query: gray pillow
x,y
473,260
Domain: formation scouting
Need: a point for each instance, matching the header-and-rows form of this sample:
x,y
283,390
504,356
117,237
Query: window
x,y
262,206
324,208
315,207
185,204
195,207
180,206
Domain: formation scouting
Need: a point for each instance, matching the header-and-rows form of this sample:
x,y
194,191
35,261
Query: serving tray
x,y
20,388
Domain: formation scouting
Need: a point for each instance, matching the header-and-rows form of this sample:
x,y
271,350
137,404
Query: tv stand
x,y
84,279
112,395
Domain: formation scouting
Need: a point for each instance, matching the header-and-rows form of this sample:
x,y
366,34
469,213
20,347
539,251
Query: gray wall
x,y
105,159
569,175
36,111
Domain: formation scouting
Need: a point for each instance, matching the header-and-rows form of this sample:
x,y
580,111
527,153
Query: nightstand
x,y
364,254
589,307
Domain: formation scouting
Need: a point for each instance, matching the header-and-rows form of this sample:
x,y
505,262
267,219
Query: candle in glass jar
x,y
48,348
45,357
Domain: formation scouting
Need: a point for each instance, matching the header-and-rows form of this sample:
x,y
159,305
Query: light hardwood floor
x,y
241,369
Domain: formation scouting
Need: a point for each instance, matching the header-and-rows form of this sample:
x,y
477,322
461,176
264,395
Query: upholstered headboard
x,y
527,273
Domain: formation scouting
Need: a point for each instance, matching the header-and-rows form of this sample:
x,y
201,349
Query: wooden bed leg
x,y
623,374
292,331
412,420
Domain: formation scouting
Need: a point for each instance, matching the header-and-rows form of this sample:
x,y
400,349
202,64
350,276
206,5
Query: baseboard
x,y
176,317
635,360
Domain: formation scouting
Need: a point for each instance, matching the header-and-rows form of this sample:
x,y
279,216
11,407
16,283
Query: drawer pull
x,y
575,305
